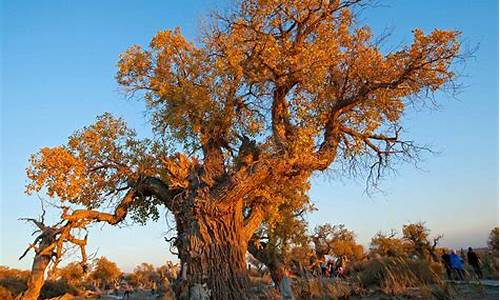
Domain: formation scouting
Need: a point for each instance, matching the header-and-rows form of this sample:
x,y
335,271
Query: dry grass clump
x,y
5,294
400,276
321,288
489,265
57,288
12,280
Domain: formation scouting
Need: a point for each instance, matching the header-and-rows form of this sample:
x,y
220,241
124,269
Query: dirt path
x,y
476,291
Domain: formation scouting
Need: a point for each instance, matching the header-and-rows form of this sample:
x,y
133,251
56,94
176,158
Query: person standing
x,y
457,265
323,268
285,287
475,263
126,293
331,268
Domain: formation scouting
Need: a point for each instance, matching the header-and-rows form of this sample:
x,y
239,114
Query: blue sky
x,y
58,65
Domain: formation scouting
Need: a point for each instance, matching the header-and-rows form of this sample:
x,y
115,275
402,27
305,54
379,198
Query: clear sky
x,y
58,64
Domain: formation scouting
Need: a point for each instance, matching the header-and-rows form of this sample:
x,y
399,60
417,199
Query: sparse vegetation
x,y
493,241
395,275
373,274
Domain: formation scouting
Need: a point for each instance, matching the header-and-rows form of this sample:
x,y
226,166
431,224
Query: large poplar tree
x,y
274,91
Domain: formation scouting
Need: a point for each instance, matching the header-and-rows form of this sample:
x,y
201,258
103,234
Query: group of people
x,y
333,269
454,264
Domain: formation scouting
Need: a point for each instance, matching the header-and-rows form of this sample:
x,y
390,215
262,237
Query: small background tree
x,y
72,273
417,235
105,273
337,241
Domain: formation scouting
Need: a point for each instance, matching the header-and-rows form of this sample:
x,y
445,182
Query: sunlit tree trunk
x,y
37,277
212,250
48,248
275,266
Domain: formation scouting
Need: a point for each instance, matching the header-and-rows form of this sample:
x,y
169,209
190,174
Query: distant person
x,y
316,269
285,287
342,267
126,293
323,269
457,265
447,264
340,272
339,268
475,263
331,267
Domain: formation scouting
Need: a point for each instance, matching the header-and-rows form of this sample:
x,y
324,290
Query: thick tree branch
x,y
253,221
149,186
282,128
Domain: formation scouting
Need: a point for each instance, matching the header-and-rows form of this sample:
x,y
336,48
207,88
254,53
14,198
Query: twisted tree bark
x,y
212,252
48,248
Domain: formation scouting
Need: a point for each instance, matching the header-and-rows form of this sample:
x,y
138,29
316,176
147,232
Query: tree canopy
x,y
336,240
301,76
105,272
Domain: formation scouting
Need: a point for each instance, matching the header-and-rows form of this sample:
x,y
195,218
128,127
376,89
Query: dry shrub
x,y
56,288
168,295
165,290
5,294
13,280
267,294
320,288
398,276
261,280
489,266
14,285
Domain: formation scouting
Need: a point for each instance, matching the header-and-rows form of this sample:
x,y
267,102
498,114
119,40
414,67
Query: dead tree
x,y
49,247
432,248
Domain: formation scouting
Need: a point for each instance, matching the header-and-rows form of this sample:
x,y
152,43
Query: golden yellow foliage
x,y
300,76
389,245
336,240
105,272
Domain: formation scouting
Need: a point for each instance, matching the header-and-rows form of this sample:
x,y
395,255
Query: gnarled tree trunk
x,y
273,263
48,247
212,250
37,277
